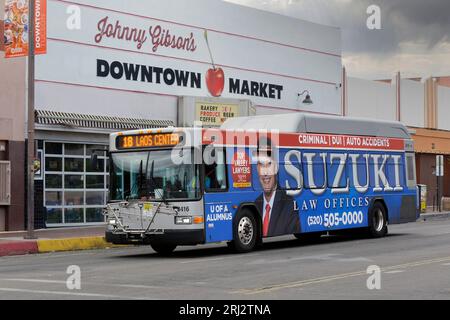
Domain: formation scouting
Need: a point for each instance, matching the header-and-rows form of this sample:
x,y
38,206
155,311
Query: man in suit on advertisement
x,y
275,205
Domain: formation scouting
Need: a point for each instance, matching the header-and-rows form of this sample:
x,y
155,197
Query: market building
x,y
121,65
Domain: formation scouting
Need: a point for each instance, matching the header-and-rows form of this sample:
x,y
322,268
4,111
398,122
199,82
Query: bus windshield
x,y
153,176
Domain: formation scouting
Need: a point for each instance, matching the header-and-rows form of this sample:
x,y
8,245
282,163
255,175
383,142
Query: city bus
x,y
257,178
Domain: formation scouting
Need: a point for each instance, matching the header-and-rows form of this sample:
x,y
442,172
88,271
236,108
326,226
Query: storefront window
x,y
74,182
74,192
98,169
53,198
54,216
94,215
74,149
53,164
74,216
97,149
53,181
95,198
74,198
53,148
95,182
73,165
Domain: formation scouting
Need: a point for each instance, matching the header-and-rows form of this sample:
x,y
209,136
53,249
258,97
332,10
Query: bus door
x,y
218,208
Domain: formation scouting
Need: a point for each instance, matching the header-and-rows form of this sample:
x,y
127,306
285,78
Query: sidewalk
x,y
434,215
53,240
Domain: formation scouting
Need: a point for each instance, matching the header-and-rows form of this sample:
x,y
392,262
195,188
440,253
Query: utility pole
x,y
31,119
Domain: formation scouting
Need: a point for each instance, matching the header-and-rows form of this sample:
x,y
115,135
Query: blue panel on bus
x,y
218,218
315,190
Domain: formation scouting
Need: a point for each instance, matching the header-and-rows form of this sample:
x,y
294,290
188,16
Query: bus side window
x,y
411,178
216,173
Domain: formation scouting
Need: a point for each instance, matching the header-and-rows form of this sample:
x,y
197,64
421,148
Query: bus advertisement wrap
x,y
242,186
313,183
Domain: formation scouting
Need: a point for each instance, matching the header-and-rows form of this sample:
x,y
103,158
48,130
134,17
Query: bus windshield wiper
x,y
138,186
153,182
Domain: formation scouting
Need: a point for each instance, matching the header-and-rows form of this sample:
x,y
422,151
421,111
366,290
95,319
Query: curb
x,y
434,216
18,248
72,244
55,245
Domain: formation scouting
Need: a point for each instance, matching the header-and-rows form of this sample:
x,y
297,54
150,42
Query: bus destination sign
x,y
153,140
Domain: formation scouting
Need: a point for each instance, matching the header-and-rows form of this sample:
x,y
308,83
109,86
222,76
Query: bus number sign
x,y
158,140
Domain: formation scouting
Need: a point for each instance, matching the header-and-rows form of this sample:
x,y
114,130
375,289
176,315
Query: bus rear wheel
x,y
164,249
245,232
378,225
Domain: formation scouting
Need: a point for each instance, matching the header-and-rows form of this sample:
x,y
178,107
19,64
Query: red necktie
x,y
266,221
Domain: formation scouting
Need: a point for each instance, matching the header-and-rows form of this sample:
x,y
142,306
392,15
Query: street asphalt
x,y
414,261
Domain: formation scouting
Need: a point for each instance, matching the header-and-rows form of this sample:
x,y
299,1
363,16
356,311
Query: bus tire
x,y
378,224
164,249
245,232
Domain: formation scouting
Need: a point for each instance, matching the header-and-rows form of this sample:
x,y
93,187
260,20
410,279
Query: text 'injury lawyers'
x,y
181,78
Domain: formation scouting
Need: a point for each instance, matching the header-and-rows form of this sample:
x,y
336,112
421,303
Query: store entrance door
x,y
446,188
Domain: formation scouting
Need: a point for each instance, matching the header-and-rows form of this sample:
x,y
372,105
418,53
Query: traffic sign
x,y
439,166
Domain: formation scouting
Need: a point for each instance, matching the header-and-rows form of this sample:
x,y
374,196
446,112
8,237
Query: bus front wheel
x,y
164,249
378,225
245,232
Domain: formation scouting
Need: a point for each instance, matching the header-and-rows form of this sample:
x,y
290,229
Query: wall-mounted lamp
x,y
308,99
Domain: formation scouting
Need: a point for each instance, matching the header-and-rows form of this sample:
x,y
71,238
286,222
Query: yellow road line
x,y
303,283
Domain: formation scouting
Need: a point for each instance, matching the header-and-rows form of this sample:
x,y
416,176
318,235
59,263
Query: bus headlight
x,y
112,222
183,220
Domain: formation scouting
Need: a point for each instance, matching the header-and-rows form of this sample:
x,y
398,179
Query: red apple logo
x,y
215,77
215,81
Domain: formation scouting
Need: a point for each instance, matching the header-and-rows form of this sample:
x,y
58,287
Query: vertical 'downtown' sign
x,y
16,27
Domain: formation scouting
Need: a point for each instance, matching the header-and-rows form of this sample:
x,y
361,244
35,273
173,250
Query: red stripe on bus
x,y
300,140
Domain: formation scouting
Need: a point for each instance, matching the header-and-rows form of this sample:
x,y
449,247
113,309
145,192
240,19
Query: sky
x,y
414,37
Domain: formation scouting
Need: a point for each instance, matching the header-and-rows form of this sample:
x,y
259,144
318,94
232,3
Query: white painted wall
x,y
413,103
443,108
371,99
247,44
57,97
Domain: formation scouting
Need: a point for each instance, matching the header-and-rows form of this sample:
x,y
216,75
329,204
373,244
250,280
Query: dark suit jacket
x,y
284,220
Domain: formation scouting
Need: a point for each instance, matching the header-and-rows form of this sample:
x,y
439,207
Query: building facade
x,y
119,65
12,139
424,106
131,64
433,140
